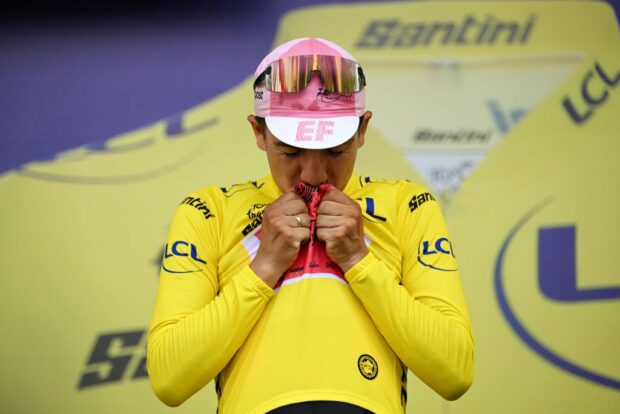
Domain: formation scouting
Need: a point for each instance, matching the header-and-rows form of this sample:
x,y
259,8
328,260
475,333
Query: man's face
x,y
290,165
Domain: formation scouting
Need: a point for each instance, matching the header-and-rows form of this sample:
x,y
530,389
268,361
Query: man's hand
x,y
282,234
339,225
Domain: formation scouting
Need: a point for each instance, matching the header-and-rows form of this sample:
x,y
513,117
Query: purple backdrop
x,y
76,72
82,72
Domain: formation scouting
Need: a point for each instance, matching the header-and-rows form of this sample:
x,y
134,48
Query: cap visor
x,y
313,133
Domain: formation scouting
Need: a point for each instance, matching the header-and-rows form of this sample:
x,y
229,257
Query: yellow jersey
x,y
320,335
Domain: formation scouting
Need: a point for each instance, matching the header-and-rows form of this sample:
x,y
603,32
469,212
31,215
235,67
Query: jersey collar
x,y
271,189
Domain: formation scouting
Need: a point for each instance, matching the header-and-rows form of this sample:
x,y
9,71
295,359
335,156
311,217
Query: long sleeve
x,y
422,313
197,324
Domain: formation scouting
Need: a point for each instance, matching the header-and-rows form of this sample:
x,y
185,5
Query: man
x,y
313,289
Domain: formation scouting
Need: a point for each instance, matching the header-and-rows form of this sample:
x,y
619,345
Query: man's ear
x,y
258,132
361,132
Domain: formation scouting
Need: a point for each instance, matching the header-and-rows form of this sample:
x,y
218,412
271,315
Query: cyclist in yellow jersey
x,y
314,289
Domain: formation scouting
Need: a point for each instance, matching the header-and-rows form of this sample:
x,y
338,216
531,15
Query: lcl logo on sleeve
x,y
185,253
437,254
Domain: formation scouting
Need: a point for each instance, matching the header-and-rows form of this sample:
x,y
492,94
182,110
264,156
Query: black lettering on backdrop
x,y
595,88
111,358
470,30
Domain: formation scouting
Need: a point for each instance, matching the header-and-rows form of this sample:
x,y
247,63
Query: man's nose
x,y
313,168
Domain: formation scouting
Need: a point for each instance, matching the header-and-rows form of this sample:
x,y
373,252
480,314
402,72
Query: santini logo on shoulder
x,y
199,205
419,199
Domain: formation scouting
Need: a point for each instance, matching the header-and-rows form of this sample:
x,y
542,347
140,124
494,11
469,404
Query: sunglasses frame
x,y
262,77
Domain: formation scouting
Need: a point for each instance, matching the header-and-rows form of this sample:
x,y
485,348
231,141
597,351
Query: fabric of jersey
x,y
320,335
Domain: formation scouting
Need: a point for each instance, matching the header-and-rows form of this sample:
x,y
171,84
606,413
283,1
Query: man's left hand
x,y
339,224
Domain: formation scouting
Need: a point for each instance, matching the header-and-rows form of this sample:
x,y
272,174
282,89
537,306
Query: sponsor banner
x,y
547,255
507,28
463,75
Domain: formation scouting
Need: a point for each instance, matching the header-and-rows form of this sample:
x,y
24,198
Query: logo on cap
x,y
314,130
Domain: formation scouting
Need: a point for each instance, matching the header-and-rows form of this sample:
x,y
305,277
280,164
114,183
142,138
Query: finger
x,y
286,196
333,194
304,220
291,221
327,221
320,234
287,206
294,221
293,207
334,208
290,236
328,234
301,234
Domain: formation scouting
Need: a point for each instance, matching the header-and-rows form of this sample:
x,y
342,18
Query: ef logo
x,y
314,130
595,88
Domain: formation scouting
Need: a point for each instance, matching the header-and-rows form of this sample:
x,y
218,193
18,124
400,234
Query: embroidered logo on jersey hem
x,y
368,367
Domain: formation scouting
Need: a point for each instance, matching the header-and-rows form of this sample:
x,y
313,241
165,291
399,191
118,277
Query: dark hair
x,y
261,122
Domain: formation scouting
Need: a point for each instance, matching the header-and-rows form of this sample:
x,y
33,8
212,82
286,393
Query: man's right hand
x,y
282,234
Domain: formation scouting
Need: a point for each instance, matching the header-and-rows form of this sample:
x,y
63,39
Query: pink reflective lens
x,y
292,74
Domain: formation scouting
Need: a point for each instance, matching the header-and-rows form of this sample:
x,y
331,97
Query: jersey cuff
x,y
362,268
257,283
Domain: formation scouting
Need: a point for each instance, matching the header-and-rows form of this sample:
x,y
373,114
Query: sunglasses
x,y
293,74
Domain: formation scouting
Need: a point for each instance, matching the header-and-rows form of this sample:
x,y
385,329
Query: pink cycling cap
x,y
312,118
